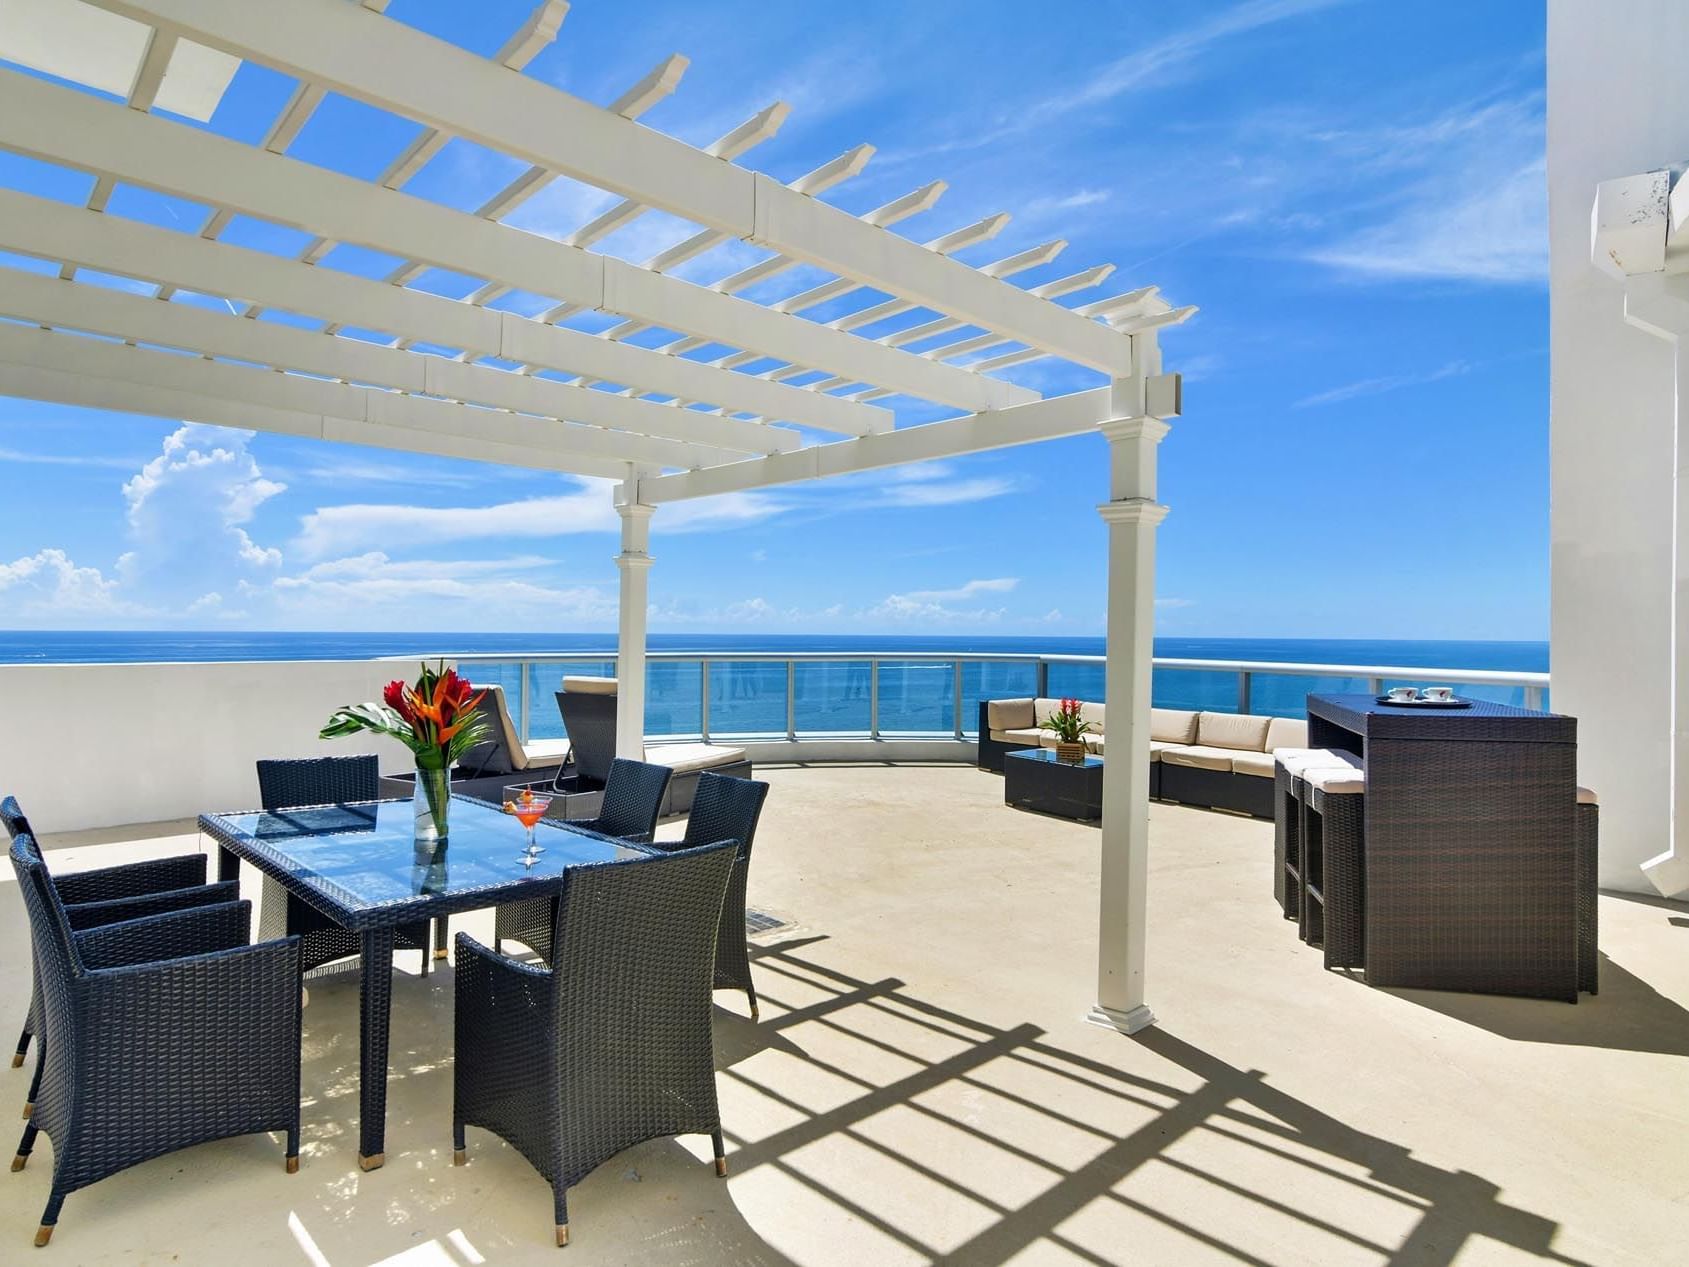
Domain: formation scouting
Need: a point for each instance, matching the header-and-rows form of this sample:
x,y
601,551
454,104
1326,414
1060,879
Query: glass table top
x,y
364,856
1047,756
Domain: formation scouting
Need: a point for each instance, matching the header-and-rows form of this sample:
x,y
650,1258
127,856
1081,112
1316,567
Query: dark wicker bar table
x,y
1471,851
358,865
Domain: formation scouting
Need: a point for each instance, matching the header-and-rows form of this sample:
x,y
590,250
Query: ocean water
x,y
828,697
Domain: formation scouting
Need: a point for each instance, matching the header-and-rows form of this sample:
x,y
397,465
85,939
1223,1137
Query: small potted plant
x,y
1070,729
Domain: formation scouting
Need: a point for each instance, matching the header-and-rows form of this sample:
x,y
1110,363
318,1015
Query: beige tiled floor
x,y
921,1088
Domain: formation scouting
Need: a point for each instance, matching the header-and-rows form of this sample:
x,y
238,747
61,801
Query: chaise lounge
x,y
1215,760
588,707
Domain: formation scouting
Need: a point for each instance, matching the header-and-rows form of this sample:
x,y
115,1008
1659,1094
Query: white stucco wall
x,y
99,745
1618,104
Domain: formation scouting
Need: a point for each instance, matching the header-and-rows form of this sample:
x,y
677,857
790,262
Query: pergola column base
x,y
1131,1022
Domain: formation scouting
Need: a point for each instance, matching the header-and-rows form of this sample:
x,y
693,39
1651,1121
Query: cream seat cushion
x,y
1094,743
1172,725
1259,764
1338,780
1286,732
1159,746
541,754
1586,797
1008,714
684,758
1031,736
1232,730
590,685
1201,756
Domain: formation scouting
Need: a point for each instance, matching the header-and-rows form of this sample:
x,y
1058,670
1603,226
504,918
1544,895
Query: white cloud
x,y
48,581
928,607
972,589
335,530
1385,383
67,459
1463,196
1154,65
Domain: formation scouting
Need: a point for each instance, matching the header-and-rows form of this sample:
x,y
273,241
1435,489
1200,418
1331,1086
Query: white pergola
x,y
696,391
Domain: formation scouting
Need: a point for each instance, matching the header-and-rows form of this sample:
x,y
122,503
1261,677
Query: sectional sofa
x,y
1219,760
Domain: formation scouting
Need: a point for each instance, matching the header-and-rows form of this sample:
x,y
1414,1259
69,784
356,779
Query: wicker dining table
x,y
359,865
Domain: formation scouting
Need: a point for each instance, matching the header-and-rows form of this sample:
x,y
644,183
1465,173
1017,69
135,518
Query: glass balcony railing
x,y
765,696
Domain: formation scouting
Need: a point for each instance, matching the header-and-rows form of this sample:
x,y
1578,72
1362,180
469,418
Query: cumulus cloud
x,y
48,581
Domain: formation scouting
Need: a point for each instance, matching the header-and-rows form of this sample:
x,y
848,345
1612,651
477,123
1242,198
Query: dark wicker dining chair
x,y
726,808
612,1046
295,784
108,895
633,796
158,1033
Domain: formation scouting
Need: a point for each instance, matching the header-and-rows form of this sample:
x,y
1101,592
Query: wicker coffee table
x,y
1034,779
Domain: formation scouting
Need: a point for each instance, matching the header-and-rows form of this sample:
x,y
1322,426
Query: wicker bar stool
x,y
1287,822
1588,834
1334,820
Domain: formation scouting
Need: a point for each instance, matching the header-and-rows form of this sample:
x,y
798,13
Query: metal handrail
x,y
1534,685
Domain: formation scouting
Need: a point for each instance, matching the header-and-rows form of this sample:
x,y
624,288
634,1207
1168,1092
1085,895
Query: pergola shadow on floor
x,y
1332,1184
919,1089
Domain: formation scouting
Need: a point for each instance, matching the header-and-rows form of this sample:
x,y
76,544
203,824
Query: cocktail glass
x,y
527,807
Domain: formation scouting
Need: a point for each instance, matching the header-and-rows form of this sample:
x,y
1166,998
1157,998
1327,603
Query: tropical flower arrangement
x,y
1069,728
437,718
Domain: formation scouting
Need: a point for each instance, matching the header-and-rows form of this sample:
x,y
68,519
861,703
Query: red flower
x,y
394,694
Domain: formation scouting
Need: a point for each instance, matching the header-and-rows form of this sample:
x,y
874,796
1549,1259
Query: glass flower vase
x,y
431,802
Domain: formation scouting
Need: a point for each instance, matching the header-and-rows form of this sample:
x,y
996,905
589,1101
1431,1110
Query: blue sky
x,y
1353,193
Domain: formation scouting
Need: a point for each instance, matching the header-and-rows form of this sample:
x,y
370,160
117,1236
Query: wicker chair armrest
x,y
95,914
597,826
200,930
235,1010
503,1005
131,879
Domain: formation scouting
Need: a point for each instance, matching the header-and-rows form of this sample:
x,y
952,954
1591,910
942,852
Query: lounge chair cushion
x,y
590,685
1202,756
1259,764
1157,747
1008,714
1287,732
1232,730
540,755
685,758
1172,725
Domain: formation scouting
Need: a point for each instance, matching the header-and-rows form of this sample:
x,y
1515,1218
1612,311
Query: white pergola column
x,y
634,566
1131,514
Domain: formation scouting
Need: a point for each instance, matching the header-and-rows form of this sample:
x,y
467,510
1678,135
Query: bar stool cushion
x,y
1344,780
1586,797
1296,760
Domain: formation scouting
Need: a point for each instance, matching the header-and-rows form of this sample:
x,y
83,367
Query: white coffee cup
x,y
1439,694
1402,694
